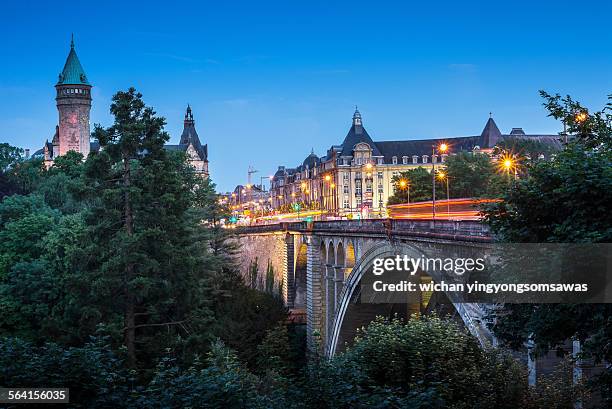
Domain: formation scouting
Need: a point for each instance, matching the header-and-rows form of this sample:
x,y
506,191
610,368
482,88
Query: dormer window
x,y
443,157
404,160
394,160
434,158
415,159
380,161
425,158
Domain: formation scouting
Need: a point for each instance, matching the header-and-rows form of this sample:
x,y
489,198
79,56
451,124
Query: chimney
x,y
27,153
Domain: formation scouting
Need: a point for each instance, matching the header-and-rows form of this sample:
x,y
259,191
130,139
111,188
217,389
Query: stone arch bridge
x,y
318,267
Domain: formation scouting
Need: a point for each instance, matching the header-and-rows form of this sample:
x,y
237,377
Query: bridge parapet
x,y
459,230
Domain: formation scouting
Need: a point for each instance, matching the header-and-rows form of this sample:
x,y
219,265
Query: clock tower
x,y
73,99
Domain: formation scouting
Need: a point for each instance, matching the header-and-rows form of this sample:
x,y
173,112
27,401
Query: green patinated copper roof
x,y
73,72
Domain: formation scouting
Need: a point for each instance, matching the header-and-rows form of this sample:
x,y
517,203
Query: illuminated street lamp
x,y
443,148
403,185
581,116
444,176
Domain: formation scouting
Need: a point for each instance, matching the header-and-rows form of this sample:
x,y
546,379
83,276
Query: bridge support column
x,y
330,298
338,284
314,292
289,277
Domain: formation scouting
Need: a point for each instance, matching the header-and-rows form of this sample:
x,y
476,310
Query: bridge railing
x,y
449,229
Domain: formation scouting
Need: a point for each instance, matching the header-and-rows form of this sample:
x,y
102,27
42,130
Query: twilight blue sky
x,y
270,80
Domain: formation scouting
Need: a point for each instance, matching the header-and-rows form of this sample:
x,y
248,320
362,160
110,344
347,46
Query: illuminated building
x,y
354,179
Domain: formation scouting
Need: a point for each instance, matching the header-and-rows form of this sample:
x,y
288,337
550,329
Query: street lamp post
x,y
444,176
442,148
405,184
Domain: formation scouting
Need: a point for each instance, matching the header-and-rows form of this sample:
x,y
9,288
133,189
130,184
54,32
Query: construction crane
x,y
250,172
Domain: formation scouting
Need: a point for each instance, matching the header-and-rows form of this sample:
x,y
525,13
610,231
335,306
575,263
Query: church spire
x,y
357,117
189,116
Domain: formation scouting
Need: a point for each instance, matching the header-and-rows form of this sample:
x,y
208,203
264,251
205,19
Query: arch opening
x,y
352,312
299,281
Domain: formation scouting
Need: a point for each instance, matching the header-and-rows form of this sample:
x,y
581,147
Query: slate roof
x,y
190,136
73,72
311,161
490,134
357,134
423,147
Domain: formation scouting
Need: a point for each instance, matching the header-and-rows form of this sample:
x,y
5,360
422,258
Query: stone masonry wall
x,y
268,248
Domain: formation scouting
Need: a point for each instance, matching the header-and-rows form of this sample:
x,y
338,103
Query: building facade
x,y
73,99
354,179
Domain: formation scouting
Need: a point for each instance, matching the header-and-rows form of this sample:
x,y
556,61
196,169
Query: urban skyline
x,y
260,93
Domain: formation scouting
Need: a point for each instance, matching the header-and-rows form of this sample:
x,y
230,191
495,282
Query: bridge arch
x,y
344,326
299,281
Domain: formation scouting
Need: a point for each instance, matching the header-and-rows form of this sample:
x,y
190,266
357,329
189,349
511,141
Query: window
x,y
395,173
380,188
394,160
358,190
415,159
425,158
380,175
358,200
344,161
369,187
380,161
346,189
434,158
404,160
345,176
345,202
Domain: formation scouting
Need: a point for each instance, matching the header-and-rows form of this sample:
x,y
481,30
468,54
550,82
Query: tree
x,y
563,200
417,184
9,156
472,175
144,254
24,221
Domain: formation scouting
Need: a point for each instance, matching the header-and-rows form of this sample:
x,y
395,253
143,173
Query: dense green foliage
x,y
129,240
118,281
563,200
424,363
468,175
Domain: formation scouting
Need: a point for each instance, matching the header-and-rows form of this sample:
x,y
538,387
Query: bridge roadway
x,y
318,268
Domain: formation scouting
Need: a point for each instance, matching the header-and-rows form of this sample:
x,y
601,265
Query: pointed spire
x,y
188,114
490,134
357,117
73,73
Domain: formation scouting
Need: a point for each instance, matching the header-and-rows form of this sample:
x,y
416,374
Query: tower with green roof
x,y
73,104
